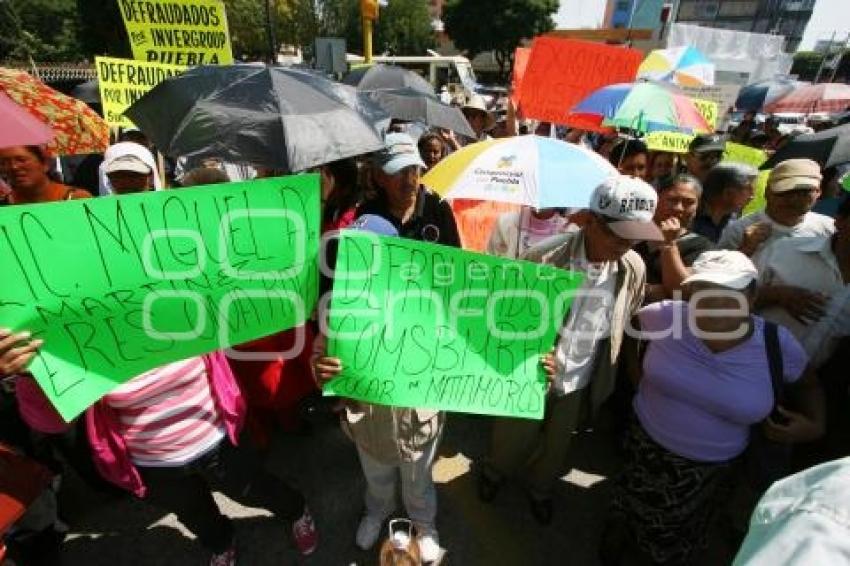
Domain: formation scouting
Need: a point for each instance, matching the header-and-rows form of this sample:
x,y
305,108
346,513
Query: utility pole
x,y
368,13
270,33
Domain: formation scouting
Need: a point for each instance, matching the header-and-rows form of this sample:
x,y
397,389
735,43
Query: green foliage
x,y
477,26
102,30
246,20
46,30
806,64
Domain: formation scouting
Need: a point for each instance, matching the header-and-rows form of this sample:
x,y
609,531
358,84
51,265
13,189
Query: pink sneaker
x,y
226,558
304,533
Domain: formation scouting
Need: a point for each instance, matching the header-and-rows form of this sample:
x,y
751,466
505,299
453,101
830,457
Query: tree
x,y
806,64
477,26
44,30
403,27
102,30
247,24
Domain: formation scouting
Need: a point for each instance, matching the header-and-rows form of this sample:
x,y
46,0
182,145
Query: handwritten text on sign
x,y
561,72
123,81
177,32
427,326
119,285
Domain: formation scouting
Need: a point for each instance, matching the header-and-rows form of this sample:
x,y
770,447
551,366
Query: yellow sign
x,y
755,157
124,81
673,142
708,109
177,32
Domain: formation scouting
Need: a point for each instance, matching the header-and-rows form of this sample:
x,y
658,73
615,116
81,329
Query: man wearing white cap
x,y
792,190
583,366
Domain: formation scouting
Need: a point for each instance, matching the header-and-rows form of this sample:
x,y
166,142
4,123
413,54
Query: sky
x,y
827,17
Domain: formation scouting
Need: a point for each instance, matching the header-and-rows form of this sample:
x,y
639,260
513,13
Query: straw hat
x,y
476,102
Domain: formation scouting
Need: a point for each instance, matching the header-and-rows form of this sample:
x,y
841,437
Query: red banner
x,y
475,220
521,56
561,72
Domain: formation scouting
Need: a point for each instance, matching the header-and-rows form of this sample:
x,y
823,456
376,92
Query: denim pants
x,y
238,473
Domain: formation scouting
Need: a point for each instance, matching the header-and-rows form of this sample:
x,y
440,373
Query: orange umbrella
x,y
77,127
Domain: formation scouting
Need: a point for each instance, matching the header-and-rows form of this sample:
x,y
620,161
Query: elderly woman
x,y
727,189
667,262
706,381
27,170
396,443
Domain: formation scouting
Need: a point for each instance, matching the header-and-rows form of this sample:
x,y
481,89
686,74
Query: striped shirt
x,y
167,416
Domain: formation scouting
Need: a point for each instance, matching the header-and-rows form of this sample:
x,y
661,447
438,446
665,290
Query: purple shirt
x,y
698,404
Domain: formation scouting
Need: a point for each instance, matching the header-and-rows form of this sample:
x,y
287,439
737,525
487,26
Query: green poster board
x,y
429,326
116,286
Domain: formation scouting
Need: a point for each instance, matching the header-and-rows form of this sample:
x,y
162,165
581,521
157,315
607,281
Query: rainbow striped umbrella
x,y
642,106
684,66
529,170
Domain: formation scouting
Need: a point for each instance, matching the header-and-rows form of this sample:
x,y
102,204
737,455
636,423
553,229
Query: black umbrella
x,y
88,92
407,104
273,116
387,76
829,147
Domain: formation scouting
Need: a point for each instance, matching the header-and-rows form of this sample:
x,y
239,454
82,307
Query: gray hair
x,y
728,175
668,183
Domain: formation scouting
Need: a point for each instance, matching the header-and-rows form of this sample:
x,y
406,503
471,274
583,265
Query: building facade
x,y
779,17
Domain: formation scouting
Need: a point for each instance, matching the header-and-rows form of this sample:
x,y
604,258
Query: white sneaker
x,y
429,547
368,531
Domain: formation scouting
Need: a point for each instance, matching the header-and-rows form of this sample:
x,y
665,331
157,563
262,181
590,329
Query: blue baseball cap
x,y
375,224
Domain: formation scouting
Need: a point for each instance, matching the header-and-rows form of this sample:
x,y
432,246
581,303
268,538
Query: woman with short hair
x,y
706,381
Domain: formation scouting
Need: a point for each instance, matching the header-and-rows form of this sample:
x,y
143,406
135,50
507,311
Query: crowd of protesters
x,y
765,298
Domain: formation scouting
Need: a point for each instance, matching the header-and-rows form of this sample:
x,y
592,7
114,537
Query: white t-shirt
x,y
588,322
808,263
813,224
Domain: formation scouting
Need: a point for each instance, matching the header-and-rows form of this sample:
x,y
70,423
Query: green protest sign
x,y
116,286
428,326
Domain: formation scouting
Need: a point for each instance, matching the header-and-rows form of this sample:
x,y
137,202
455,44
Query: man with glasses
x,y
704,152
792,190
584,359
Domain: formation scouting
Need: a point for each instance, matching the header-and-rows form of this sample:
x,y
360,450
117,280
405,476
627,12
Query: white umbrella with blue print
x,y
528,170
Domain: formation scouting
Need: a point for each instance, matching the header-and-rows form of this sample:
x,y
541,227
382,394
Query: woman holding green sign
x,y
396,443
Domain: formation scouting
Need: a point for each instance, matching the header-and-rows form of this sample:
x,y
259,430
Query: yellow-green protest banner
x,y
708,109
428,326
124,81
739,153
674,142
177,32
118,285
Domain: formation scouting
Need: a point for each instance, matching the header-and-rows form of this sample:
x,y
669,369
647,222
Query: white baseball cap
x,y
629,205
726,268
399,152
127,162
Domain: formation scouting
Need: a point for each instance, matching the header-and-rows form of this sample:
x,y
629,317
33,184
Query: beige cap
x,y
476,102
794,174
